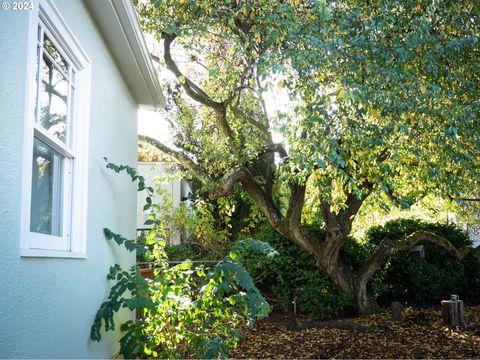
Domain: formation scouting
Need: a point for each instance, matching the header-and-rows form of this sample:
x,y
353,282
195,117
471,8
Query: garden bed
x,y
419,335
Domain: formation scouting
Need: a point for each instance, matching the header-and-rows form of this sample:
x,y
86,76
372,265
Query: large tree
x,y
383,104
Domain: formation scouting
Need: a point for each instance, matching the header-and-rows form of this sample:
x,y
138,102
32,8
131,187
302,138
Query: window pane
x,y
53,100
47,184
48,45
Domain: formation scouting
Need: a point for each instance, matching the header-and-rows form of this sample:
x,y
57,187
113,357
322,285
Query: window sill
x,y
51,254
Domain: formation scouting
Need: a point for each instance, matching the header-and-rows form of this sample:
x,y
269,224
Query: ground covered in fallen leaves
x,y
419,335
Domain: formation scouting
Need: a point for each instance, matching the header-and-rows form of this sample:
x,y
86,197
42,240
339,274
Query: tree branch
x,y
264,201
269,175
353,205
225,184
181,158
237,112
467,199
197,94
329,216
51,89
270,149
383,155
295,205
388,247
193,90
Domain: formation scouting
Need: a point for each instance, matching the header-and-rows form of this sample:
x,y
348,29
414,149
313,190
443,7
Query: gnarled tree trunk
x,y
327,252
345,279
288,223
354,282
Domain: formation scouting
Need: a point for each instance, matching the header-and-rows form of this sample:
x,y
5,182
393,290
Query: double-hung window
x,y
57,129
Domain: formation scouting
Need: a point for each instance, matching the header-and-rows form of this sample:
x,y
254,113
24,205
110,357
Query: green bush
x,y
188,251
424,281
399,228
293,275
471,267
184,311
354,253
404,278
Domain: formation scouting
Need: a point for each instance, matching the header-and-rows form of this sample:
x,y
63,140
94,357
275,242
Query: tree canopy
x,y
383,103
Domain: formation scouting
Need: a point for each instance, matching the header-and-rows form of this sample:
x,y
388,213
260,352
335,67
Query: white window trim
x,y
76,207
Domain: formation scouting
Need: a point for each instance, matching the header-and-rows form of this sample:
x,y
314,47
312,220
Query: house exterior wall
x,y
175,189
47,305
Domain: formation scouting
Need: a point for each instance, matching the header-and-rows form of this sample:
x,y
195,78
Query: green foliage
x,y
376,100
423,281
354,253
292,275
120,240
430,208
399,228
388,68
211,225
219,223
471,269
383,92
190,251
253,245
184,311
149,153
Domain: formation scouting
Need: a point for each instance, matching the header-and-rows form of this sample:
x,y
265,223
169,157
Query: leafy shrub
x,y
184,311
190,251
399,228
471,267
424,281
293,275
354,253
404,278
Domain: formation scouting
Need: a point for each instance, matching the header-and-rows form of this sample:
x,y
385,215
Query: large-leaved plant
x,y
184,311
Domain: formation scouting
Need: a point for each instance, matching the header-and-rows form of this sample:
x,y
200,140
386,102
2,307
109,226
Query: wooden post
x,y
397,311
453,313
461,314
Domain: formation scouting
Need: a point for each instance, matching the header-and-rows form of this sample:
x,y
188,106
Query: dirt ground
x,y
419,335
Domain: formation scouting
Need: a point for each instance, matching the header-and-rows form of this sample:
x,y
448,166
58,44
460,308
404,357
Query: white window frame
x,y
72,243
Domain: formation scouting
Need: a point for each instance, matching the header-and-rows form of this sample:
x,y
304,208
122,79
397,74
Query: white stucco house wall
x,y
73,75
176,190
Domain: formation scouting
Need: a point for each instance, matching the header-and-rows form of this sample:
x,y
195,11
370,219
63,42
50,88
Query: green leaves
x,y
181,317
130,245
184,311
362,79
131,172
261,247
380,103
290,274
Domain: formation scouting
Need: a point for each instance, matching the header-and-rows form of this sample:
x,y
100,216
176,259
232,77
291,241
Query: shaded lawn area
x,y
419,335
